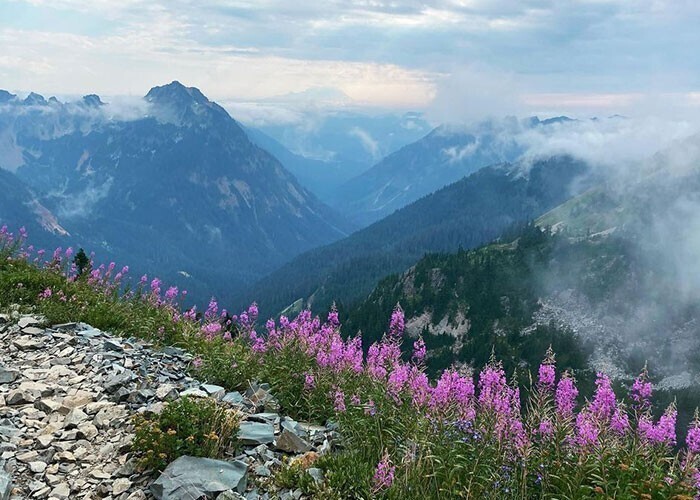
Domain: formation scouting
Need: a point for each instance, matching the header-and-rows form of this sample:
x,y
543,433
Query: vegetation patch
x,y
197,427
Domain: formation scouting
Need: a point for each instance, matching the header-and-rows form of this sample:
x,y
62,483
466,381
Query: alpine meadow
x,y
349,250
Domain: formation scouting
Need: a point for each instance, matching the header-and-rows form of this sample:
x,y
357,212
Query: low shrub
x,y
196,427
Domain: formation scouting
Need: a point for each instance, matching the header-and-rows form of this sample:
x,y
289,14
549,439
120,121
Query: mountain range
x,y
465,214
442,157
179,188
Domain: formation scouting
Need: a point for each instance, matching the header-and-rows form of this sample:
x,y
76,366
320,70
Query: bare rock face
x,y
66,427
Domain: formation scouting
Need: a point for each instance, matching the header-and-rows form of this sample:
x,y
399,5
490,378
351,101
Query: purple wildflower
x,y
419,350
384,474
692,439
641,390
309,381
339,401
565,396
396,325
604,403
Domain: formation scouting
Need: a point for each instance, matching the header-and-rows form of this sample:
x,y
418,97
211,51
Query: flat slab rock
x,y
192,477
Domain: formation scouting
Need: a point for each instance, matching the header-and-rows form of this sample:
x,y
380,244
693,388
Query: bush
x,y
189,426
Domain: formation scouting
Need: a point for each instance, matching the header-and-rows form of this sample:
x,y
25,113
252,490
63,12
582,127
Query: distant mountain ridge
x,y
465,214
180,188
442,157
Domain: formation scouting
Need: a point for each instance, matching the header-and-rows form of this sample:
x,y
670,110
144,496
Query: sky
x,y
453,58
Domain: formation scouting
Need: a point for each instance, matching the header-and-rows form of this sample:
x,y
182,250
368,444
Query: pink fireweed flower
x,y
339,401
197,362
333,317
384,474
419,387
371,409
171,293
620,421
355,400
375,365
453,393
155,286
212,310
69,252
253,312
547,376
547,373
494,392
546,428
565,396
666,427
396,325
419,351
309,381
211,330
603,404
586,429
692,439
190,314
144,279
45,294
664,432
641,390
259,345
398,379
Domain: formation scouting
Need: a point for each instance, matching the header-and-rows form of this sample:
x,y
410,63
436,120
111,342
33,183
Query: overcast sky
x,y
507,56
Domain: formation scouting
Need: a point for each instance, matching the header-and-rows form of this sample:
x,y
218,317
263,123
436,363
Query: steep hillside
x,y
619,272
440,158
465,214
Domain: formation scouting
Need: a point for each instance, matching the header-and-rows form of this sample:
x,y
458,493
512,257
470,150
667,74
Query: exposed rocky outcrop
x,y
67,397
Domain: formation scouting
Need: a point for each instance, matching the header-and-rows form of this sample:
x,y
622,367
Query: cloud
x,y
386,53
368,142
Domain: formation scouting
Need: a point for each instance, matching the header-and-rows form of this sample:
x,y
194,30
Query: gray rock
x,y
8,376
5,485
254,433
316,474
28,343
120,485
193,392
166,392
62,490
74,418
113,345
234,398
191,477
26,321
115,382
291,443
214,391
230,495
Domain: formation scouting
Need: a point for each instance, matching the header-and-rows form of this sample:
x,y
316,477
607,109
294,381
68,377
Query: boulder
x,y
191,477
255,433
291,443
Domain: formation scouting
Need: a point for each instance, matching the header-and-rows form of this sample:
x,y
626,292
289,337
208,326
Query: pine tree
x,y
81,261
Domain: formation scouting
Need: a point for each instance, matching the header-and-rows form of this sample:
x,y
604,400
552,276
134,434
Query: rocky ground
x,y
67,397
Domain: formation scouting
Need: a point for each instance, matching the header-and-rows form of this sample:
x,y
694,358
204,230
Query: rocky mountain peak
x,y
6,96
175,93
34,99
92,101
